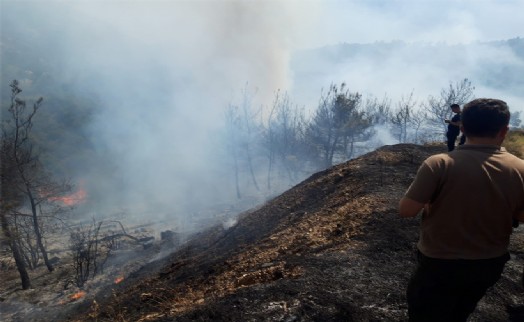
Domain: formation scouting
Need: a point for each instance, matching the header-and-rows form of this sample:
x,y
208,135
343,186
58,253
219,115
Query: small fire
x,y
119,279
72,199
77,296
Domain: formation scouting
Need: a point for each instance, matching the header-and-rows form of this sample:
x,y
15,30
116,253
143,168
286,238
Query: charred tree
x,y
403,117
284,138
9,200
13,245
24,158
84,245
91,247
30,179
439,107
232,124
249,135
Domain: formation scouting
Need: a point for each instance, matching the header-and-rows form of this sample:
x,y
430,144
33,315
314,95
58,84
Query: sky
x,y
239,42
451,21
165,70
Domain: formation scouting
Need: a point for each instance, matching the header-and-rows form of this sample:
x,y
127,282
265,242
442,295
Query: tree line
x,y
280,141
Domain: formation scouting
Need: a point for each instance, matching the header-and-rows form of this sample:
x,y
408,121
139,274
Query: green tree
x,y
338,123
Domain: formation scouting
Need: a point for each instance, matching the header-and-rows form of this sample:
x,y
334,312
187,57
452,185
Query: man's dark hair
x,y
455,106
484,117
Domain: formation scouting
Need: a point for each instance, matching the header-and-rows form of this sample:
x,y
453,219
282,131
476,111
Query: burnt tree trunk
x,y
38,233
237,184
17,255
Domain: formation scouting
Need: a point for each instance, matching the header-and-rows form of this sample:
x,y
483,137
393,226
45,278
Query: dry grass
x,y
514,143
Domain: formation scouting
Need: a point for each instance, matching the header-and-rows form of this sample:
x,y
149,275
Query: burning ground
x,y
330,249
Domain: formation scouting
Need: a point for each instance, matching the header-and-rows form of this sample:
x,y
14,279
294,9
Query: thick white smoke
x,y
162,72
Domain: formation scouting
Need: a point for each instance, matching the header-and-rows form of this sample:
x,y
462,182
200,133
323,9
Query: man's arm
x,y
409,207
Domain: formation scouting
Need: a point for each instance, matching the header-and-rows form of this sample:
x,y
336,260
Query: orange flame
x,y
119,279
78,295
72,199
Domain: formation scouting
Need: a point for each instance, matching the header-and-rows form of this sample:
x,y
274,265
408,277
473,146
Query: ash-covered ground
x,y
330,249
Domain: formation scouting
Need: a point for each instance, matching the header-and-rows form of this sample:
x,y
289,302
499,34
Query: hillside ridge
x,y
332,248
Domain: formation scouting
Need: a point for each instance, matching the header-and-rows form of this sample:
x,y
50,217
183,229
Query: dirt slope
x,y
330,249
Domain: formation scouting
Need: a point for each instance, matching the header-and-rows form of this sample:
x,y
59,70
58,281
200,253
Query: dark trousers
x,y
451,140
462,139
448,290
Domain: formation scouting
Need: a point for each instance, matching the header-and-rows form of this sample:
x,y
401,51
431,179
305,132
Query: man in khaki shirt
x,y
469,197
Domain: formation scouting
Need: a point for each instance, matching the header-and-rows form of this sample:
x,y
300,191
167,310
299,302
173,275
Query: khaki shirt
x,y
473,193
